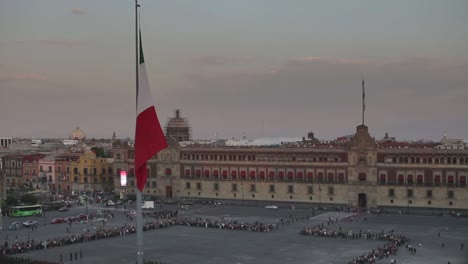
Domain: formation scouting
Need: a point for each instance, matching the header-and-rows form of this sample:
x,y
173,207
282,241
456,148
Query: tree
x,y
100,152
29,199
11,201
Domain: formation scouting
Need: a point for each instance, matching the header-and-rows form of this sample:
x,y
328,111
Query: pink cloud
x,y
210,60
78,11
24,77
332,60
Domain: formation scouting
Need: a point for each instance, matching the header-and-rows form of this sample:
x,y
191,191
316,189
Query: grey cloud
x,y
24,77
59,42
326,93
210,60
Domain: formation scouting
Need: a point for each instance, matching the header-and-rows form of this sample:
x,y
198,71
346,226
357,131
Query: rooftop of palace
x,y
382,145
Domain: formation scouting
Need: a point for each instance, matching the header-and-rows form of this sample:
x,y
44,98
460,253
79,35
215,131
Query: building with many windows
x,y
356,172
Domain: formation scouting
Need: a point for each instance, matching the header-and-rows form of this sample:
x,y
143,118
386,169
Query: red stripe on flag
x,y
149,140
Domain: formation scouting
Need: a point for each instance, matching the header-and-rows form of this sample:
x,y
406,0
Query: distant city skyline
x,y
262,68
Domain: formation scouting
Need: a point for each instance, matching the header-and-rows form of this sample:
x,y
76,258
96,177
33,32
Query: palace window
x,y
429,193
198,185
320,176
362,177
216,186
272,188
252,175
450,180
341,177
253,188
419,179
331,190
450,194
409,179
234,187
463,180
437,179
383,178
310,189
409,192
401,179
290,189
391,192
187,185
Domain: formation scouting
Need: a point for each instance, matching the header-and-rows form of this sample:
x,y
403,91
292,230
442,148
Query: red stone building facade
x,y
360,172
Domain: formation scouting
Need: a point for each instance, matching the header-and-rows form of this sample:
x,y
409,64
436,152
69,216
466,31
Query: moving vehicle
x,y
110,203
26,210
57,220
30,223
272,207
14,226
187,202
63,209
147,205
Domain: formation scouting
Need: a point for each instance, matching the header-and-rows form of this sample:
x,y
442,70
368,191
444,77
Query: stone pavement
x,y
181,244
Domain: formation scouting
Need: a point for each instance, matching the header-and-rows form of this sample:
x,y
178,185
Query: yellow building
x,y
91,172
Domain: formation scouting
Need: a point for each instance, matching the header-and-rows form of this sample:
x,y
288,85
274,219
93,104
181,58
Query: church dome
x,y
78,134
177,121
178,127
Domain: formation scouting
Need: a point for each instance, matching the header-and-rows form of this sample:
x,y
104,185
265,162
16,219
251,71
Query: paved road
x,y
180,244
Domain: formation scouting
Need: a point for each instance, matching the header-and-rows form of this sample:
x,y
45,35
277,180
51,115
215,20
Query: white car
x,y
110,203
273,207
30,223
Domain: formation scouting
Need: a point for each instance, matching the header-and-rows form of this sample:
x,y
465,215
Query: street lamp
x,y
320,196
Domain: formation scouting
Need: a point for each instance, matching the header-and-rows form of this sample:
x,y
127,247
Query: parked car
x,y
110,203
14,226
57,220
63,209
30,223
273,207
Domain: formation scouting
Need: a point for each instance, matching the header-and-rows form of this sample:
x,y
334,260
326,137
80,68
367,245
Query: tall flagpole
x,y
139,224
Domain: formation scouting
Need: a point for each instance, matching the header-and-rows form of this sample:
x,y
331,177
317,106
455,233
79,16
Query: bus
x,y
26,210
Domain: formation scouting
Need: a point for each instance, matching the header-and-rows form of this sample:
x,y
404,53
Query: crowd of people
x,y
17,260
320,230
394,241
154,262
376,255
95,233
223,224
160,214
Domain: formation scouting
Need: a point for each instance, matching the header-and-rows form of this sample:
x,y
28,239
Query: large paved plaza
x,y
184,245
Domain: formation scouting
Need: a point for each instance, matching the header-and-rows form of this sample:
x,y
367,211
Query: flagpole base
x,y
139,226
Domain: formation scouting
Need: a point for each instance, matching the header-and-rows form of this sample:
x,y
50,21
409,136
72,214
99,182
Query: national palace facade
x,y
358,172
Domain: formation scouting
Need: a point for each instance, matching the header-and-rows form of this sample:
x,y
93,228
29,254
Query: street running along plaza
x,y
237,234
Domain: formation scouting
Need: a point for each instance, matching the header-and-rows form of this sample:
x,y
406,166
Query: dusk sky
x,y
295,66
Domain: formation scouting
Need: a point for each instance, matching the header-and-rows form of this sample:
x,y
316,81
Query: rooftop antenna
x,y
363,100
